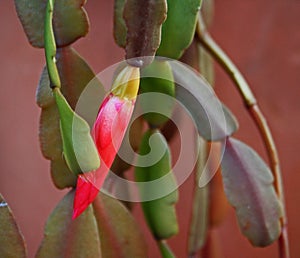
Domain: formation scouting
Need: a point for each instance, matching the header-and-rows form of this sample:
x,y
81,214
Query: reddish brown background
x,y
262,37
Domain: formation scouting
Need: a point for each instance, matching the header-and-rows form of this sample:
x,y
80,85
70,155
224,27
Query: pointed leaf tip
x,y
79,149
11,239
64,237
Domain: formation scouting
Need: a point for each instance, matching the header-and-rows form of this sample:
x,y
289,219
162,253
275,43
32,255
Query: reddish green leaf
x,y
50,139
179,28
44,95
61,175
119,233
143,19
213,120
248,187
12,242
66,14
199,221
64,237
75,75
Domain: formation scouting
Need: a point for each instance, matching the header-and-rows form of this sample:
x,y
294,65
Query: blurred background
x,y
263,39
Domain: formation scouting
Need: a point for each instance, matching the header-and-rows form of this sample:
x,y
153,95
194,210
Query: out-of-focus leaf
x,y
248,187
218,206
165,250
79,150
191,56
120,29
64,237
207,11
206,65
66,14
212,247
119,233
213,120
179,28
199,222
75,75
143,19
160,213
11,239
157,78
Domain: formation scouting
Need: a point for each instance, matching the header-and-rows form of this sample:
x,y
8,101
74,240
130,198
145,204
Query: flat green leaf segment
x,y
248,187
12,242
119,232
143,20
179,28
160,213
157,77
67,13
213,120
75,75
105,229
79,149
64,237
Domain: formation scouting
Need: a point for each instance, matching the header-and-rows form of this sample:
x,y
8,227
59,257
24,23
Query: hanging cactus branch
x,y
207,41
84,135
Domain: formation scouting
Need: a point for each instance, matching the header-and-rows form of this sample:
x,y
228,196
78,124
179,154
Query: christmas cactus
x,y
167,71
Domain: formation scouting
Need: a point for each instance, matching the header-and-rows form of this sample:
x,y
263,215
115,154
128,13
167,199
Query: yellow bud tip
x,y
126,84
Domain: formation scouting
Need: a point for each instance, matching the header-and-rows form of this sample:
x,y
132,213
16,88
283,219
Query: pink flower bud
x,y
108,132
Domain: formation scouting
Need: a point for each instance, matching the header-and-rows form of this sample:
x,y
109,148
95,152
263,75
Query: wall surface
x,y
262,37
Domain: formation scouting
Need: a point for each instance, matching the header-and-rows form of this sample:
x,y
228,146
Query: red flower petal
x,y
108,132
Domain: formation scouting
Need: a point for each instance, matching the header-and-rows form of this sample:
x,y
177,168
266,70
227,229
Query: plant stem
x,y
50,46
165,250
219,55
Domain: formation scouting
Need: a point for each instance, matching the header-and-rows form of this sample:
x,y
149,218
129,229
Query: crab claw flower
x,y
108,132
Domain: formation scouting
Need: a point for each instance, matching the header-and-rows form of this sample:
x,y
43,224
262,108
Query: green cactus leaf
x,y
75,75
143,20
79,150
158,78
212,119
61,175
65,237
11,239
119,233
160,213
179,28
66,14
